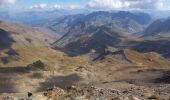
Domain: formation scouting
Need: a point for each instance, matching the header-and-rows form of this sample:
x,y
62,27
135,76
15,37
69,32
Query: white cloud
x,y
56,6
105,5
39,6
74,7
7,1
108,4
120,4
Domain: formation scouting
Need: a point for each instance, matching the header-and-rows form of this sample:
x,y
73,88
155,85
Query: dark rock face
x,y
37,65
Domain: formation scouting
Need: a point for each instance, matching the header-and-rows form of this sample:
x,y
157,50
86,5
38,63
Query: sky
x,y
17,5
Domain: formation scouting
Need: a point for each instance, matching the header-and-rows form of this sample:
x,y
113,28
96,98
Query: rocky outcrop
x,y
36,65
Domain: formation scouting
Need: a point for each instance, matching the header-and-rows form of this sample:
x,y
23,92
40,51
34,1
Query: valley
x,y
97,56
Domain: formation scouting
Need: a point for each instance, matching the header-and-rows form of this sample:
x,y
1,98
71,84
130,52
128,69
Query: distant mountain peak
x,y
159,27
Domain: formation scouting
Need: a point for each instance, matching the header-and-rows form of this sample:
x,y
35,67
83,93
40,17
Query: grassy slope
x,y
148,59
30,54
129,57
38,49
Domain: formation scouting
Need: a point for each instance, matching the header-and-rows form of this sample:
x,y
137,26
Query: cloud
x,y
39,6
130,4
7,1
56,6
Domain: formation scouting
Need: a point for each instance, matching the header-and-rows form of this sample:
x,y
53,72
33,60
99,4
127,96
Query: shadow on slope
x,y
165,78
7,84
160,46
8,78
14,70
60,81
5,40
12,56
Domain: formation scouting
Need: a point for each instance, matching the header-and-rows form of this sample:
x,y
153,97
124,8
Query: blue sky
x,y
90,4
168,2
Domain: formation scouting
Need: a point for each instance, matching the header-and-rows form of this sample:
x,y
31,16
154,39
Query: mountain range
x,y
82,33
36,17
122,30
124,21
84,56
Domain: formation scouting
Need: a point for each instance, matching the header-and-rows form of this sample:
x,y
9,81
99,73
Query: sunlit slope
x,y
24,45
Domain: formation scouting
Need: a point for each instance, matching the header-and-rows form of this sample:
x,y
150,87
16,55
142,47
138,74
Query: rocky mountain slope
x,y
159,28
156,37
126,21
81,41
83,37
